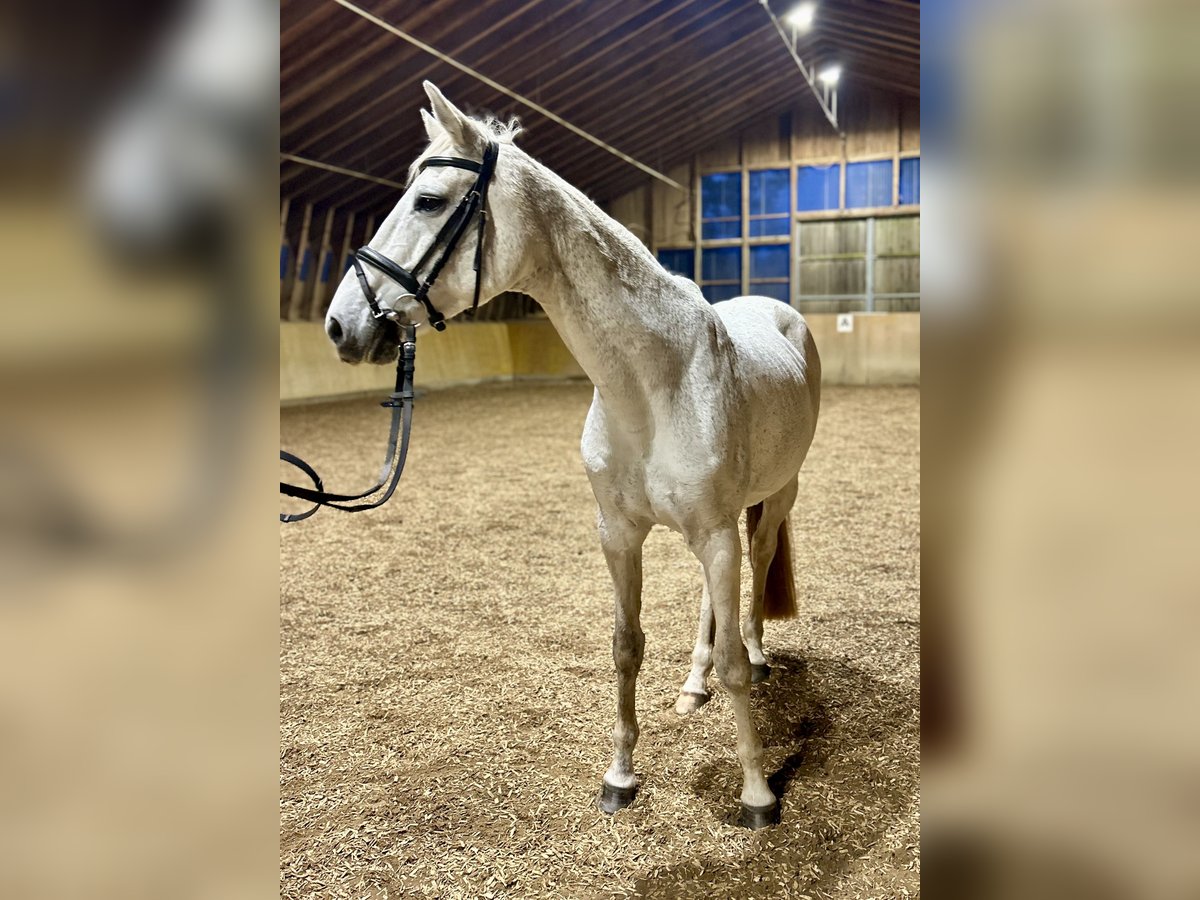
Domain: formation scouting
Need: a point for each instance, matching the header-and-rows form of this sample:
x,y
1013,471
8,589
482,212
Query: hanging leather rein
x,y
472,206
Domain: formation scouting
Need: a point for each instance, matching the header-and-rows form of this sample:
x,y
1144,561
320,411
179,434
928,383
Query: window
x,y
721,273
681,262
769,208
817,187
869,184
769,271
721,206
910,181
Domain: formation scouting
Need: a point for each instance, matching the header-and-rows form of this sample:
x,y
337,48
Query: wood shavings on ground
x,y
446,679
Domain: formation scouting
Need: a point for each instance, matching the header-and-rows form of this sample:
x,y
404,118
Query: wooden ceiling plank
x,y
644,67
467,92
753,62
875,36
610,58
705,75
370,82
362,41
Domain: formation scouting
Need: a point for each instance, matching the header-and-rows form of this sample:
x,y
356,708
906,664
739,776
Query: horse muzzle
x,y
375,342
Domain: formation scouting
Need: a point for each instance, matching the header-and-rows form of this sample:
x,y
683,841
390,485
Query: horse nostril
x,y
334,329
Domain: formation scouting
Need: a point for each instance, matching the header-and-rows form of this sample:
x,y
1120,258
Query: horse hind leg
x,y
720,551
773,593
694,693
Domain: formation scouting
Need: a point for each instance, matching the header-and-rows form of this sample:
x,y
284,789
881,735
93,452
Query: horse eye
x,y
428,204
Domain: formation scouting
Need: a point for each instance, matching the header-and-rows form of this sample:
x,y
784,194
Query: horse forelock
x,y
498,130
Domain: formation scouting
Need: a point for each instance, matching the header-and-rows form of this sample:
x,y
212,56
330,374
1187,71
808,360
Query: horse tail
x,y
779,599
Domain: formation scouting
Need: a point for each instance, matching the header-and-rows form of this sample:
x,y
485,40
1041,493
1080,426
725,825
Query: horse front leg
x,y
720,552
622,543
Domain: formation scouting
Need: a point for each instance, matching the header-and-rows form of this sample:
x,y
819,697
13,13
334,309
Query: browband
x,y
457,161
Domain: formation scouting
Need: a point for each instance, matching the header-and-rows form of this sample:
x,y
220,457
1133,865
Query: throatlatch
x,y
401,399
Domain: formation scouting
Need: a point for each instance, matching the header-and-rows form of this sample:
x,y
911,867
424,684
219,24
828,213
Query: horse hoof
x,y
759,672
755,817
613,798
689,702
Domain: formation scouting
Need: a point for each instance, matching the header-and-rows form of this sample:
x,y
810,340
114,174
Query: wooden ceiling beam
x,y
461,88
750,64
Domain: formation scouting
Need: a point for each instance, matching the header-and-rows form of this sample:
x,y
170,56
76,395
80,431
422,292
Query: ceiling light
x,y
830,74
801,16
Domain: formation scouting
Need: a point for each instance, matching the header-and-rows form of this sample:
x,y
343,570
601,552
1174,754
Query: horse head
x,y
415,237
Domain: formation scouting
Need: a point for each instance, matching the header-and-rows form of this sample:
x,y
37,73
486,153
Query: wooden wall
x,y
877,126
877,349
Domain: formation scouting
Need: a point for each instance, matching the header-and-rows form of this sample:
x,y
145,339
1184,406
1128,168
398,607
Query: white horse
x,y
699,411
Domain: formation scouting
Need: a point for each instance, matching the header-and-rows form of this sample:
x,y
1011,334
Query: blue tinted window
x,y
769,262
721,195
910,181
775,227
817,187
721,205
716,292
721,264
681,262
715,231
769,191
869,184
778,290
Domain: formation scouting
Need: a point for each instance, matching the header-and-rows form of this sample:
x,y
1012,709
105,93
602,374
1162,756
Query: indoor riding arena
x,y
449,661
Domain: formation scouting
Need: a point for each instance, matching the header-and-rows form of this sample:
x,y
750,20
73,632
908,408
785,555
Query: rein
x,y
401,399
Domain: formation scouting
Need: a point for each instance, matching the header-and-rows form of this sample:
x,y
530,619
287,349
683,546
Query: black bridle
x,y
401,399
474,202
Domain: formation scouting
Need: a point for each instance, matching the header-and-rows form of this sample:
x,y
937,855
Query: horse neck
x,y
630,325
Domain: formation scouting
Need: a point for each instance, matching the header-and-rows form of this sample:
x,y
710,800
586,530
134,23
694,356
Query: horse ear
x,y
432,127
449,116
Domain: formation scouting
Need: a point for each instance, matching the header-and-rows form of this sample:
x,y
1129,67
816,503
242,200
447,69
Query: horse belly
x,y
688,478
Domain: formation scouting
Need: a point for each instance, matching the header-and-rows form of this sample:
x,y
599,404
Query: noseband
x,y
401,399
474,202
